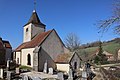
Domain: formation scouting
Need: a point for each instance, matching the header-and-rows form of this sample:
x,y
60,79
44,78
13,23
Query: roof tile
x,y
35,41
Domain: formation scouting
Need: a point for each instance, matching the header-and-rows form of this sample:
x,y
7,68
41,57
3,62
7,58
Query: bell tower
x,y
33,27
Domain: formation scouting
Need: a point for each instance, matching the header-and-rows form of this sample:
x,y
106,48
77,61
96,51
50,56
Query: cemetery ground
x,y
101,71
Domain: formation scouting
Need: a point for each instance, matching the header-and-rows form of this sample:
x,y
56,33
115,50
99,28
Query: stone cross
x,y
45,67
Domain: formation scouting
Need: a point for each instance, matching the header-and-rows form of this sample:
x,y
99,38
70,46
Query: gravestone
x,y
1,73
70,74
25,77
45,67
8,75
50,71
84,75
17,71
60,76
8,65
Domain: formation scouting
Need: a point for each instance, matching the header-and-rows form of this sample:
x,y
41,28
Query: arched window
x,y
28,59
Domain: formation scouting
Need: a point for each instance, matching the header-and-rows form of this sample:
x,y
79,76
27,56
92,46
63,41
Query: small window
x,y
27,30
29,59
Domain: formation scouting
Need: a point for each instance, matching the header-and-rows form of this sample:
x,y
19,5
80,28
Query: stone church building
x,y
39,46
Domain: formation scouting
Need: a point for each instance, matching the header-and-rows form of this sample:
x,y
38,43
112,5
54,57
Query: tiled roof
x,y
35,41
64,58
7,44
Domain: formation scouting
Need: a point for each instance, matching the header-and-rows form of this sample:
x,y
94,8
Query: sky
x,y
65,16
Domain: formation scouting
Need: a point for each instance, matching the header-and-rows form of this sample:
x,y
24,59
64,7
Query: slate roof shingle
x,y
34,19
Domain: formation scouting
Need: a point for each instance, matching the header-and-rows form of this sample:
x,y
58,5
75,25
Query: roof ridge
x,y
45,37
40,39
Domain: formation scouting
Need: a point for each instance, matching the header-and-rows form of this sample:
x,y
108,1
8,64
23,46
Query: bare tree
x,y
113,21
72,42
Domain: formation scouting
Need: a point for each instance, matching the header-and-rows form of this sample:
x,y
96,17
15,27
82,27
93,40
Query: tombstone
x,y
17,71
8,75
1,73
70,74
50,71
84,75
60,76
8,65
25,77
45,67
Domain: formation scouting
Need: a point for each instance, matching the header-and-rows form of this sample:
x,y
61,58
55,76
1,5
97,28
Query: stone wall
x,y
53,46
49,50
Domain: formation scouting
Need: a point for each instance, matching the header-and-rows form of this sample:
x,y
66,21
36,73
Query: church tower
x,y
33,27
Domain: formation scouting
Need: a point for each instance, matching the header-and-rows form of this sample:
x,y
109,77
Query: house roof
x,y
4,44
65,57
107,53
36,41
35,19
7,44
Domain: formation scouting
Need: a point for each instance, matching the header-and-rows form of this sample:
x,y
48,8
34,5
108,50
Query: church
x,y
38,45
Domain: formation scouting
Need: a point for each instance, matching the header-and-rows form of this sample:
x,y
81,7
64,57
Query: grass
x,y
111,47
25,67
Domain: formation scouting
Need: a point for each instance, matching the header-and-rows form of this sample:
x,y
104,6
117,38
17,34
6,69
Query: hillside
x,y
110,46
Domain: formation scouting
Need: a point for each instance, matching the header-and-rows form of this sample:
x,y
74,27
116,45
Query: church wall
x,y
36,29
43,57
24,55
50,48
63,67
18,57
8,53
52,45
27,33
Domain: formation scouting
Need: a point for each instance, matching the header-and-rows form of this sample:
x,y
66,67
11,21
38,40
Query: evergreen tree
x,y
100,57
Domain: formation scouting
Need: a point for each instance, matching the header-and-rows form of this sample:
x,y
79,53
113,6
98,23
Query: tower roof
x,y
34,19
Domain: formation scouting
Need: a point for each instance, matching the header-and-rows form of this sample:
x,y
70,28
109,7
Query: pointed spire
x,y
34,19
